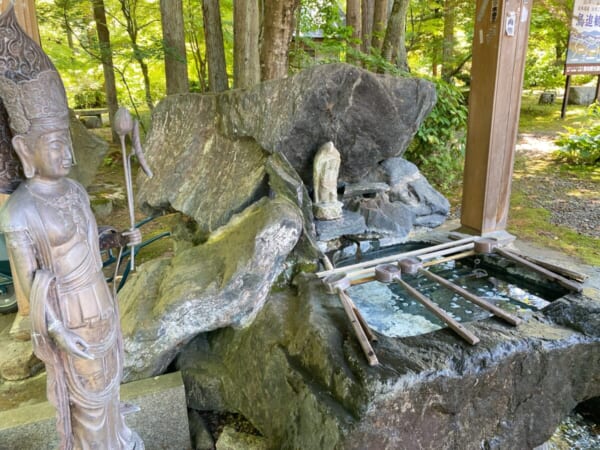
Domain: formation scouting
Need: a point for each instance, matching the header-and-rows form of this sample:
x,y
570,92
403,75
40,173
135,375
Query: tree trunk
x,y
215,50
394,45
380,18
278,26
353,19
246,30
367,25
110,87
129,7
171,14
448,40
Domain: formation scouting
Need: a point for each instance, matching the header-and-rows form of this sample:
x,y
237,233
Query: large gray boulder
x,y
582,95
89,151
198,170
368,117
221,283
208,151
299,376
403,199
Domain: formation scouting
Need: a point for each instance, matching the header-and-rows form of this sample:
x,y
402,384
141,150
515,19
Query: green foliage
x,y
581,146
548,38
89,98
439,145
543,70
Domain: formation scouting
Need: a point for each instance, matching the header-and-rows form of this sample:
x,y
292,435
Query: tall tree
x,y
354,20
110,87
246,55
380,18
278,26
129,10
193,30
171,13
215,50
394,45
448,40
367,10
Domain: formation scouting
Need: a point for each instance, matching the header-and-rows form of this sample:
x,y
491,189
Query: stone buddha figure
x,y
326,167
52,241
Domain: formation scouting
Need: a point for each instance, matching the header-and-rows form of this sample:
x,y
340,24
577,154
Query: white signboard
x,y
583,52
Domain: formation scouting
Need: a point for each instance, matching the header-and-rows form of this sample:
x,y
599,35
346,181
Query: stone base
x,y
350,223
161,423
328,211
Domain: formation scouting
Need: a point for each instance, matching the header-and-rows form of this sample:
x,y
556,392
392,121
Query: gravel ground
x,y
572,202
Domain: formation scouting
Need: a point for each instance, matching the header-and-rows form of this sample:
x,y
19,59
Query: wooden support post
x,y
25,11
499,47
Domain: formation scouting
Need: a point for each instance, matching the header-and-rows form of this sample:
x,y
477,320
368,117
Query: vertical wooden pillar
x,y
499,48
25,11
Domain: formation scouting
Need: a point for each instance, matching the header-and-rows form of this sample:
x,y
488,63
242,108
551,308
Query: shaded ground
x,y
572,201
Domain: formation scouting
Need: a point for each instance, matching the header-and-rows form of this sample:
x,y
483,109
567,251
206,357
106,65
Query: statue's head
x,y
34,97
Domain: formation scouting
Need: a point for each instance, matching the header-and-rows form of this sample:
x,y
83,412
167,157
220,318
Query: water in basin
x,y
389,310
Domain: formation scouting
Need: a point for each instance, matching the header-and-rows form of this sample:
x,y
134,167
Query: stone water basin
x,y
299,376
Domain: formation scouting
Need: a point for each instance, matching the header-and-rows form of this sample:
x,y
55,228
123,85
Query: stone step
x,y
162,422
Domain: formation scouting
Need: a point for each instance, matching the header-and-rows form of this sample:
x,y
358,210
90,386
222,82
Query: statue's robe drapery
x,y
85,392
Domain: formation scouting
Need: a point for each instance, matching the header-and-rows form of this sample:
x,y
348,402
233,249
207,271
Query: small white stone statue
x,y
326,167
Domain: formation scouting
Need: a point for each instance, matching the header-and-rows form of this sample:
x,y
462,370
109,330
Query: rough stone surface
x,y
351,223
199,171
285,182
411,188
581,95
309,385
199,433
233,440
17,361
385,217
89,151
223,282
365,188
368,117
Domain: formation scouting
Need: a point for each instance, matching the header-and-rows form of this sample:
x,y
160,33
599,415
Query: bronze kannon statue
x,y
52,240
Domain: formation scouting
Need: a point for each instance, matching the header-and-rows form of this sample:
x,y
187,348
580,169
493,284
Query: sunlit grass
x,y
537,118
531,223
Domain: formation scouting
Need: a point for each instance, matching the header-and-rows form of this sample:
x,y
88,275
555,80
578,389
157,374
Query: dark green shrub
x,y
438,148
580,146
89,98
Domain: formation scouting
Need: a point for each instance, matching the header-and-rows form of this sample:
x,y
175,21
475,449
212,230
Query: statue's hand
x,y
69,341
134,237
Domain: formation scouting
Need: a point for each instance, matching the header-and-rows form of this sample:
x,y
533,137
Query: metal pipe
x,y
396,257
368,274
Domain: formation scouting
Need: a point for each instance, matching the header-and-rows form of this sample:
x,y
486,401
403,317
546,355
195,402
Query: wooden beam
x,y
499,48
25,11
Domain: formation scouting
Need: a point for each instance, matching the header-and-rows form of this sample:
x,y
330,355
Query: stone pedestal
x,y
328,211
